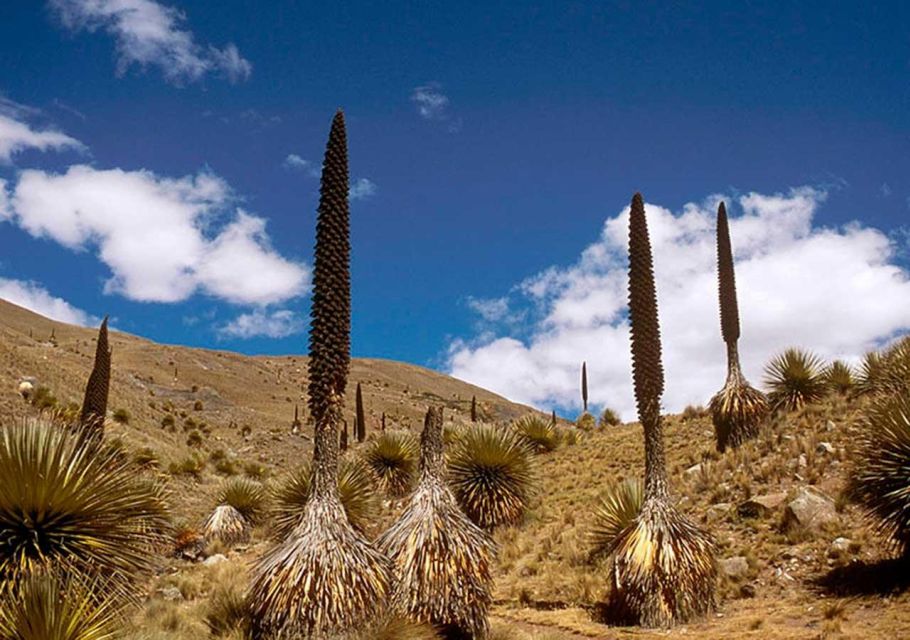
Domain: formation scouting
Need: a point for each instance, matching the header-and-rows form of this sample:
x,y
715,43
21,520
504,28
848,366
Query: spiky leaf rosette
x,y
880,474
538,433
618,508
795,378
247,496
663,569
50,605
441,559
839,377
323,581
94,404
355,488
226,525
737,412
886,371
663,566
67,502
393,458
490,473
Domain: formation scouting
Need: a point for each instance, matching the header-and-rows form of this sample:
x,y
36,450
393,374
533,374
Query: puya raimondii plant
x,y
664,570
325,578
738,409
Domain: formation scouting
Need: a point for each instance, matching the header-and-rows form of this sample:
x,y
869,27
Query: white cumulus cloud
x,y
34,297
148,33
162,238
17,135
261,323
836,291
362,188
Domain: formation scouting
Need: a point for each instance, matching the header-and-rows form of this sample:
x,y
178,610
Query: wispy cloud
x,y
296,163
17,135
260,323
431,102
34,297
837,291
170,245
148,33
362,188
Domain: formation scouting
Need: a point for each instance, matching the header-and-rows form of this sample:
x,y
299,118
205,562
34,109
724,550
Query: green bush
x,y
122,416
393,458
247,496
490,473
538,433
795,378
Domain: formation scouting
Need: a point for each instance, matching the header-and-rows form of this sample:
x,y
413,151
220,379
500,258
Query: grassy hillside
x,y
788,581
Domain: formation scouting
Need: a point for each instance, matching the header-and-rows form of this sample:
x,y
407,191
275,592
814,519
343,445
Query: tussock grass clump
x,y
738,409
586,421
441,560
49,605
839,377
393,458
356,489
490,472
228,612
69,502
247,496
880,474
324,579
538,433
618,508
795,378
664,570
609,418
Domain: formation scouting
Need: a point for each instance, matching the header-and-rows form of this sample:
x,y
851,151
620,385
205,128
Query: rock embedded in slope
x,y
761,506
811,509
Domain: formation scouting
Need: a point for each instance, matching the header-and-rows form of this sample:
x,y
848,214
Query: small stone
x,y
218,558
734,567
171,594
830,426
761,506
825,448
693,470
802,462
810,509
841,544
747,591
718,511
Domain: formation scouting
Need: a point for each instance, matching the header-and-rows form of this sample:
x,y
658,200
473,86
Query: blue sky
x,y
491,144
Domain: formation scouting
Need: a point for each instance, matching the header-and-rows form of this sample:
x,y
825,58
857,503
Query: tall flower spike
x,y
647,370
94,405
330,311
726,279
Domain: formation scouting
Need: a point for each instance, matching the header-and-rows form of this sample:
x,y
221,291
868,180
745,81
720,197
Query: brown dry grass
x,y
545,586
